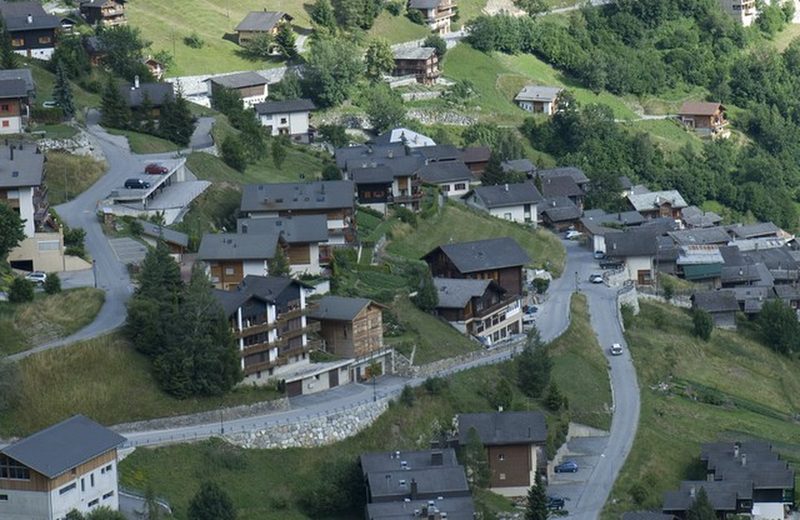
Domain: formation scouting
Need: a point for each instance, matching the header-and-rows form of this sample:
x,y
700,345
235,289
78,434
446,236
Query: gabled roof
x,y
13,88
424,4
576,173
456,508
475,154
23,74
399,166
699,255
502,428
405,52
538,93
268,287
369,153
505,195
340,308
598,222
723,300
443,172
699,108
371,175
394,460
24,170
641,241
239,80
518,165
697,218
701,236
655,199
286,106
441,481
232,246
63,446
285,196
294,229
646,515
560,187
16,17
480,255
746,231
440,152
261,20
404,136
559,209
169,235
158,93
455,293
722,495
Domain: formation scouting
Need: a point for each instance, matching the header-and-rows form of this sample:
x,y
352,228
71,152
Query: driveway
x,y
128,250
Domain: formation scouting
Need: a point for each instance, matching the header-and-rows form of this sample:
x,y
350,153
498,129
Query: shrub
x,y
406,215
407,397
21,291
703,324
395,8
415,15
436,385
194,41
541,285
52,285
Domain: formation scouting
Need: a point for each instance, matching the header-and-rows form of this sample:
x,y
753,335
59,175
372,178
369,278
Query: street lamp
x,y
94,272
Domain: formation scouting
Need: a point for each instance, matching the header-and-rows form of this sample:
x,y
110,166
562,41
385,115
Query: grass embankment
x,y
731,388
261,487
105,379
45,80
47,318
397,29
299,161
67,175
669,134
458,223
145,143
166,24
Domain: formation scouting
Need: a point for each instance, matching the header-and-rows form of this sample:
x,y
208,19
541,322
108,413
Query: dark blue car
x,y
567,467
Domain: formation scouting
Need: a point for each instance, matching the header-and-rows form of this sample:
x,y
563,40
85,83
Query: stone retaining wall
x,y
627,295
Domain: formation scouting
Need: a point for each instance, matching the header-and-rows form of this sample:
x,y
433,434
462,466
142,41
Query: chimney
x,y
692,491
136,81
744,459
437,459
30,18
414,491
736,447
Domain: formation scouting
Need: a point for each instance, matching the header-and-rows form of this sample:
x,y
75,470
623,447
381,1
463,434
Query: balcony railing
x,y
264,365
296,311
288,333
492,309
255,348
255,329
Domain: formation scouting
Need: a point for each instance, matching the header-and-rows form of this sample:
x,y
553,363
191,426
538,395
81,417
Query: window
x,y
283,120
83,485
67,489
94,502
502,456
17,42
11,469
6,124
229,270
49,245
44,40
268,117
507,216
5,108
461,186
502,476
108,495
3,498
446,188
91,479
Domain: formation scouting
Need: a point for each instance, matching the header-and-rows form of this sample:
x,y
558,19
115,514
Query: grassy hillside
x,y
731,388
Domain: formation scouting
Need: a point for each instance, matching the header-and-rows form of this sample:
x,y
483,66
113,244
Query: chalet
x,y
103,12
479,308
437,14
701,263
565,186
290,117
596,224
135,95
476,158
176,241
643,251
500,259
577,175
156,68
32,31
420,62
706,119
515,447
334,199
230,257
95,50
438,153
740,232
396,183
694,217
353,328
14,105
305,235
700,237
539,100
268,316
558,213
721,305
452,178
361,155
515,202
523,166
70,465
404,136
258,23
251,86
743,11
658,204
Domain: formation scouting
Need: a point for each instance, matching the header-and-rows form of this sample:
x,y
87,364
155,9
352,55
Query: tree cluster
x,y
123,50
779,327
534,366
333,66
182,328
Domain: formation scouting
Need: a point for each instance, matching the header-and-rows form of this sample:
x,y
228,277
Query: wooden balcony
x,y
287,333
264,346
296,311
264,365
255,329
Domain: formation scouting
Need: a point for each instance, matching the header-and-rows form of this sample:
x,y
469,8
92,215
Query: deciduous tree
x,y
12,230
211,502
383,106
779,326
476,463
332,68
378,59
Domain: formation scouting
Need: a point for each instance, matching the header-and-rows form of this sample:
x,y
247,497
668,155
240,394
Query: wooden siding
x,y
516,465
509,278
357,338
226,281
41,483
299,254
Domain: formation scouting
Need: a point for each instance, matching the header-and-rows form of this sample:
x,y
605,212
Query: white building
x,y
539,100
290,117
516,202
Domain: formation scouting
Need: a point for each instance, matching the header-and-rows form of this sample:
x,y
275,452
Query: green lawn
x,y
166,24
67,175
216,208
669,134
397,29
299,161
47,318
145,143
753,383
54,131
103,378
459,223
44,80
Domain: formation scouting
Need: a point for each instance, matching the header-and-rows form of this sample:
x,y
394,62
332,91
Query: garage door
x,y
294,388
333,378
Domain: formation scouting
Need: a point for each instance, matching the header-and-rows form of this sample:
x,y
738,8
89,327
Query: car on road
x,y
38,277
572,234
555,502
599,255
569,466
155,169
51,104
596,278
616,349
137,184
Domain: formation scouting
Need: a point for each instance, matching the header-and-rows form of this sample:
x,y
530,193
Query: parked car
x,y
569,466
610,264
555,502
137,184
38,277
616,349
155,169
599,255
596,278
572,234
51,104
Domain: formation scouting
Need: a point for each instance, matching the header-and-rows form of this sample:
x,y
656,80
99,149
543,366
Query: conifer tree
x,y
286,41
536,506
113,107
62,91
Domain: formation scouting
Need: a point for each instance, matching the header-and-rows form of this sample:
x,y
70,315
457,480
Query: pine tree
x,y
534,366
62,91
211,503
279,264
113,107
536,507
427,297
286,41
701,508
494,174
148,122
8,58
176,121
278,150
476,463
322,15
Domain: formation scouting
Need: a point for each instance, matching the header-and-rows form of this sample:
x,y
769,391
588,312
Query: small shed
x,y
721,305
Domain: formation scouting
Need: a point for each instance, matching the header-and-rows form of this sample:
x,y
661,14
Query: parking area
x,y
128,250
585,451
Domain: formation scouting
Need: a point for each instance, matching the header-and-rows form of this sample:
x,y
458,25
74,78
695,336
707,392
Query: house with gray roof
x,y
518,202
368,154
305,235
753,231
658,204
386,182
565,186
500,259
436,13
453,178
252,87
260,23
290,117
559,212
70,465
694,217
721,305
577,174
32,32
539,99
596,224
644,251
136,93
479,308
420,62
515,446
700,263
524,166
230,257
176,241
14,105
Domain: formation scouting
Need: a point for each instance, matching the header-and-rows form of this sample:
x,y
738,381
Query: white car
x,y
616,349
38,277
572,234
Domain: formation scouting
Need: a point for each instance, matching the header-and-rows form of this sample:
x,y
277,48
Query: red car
x,y
155,169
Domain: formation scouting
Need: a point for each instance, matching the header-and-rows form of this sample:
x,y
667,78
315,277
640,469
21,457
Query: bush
x,y
74,240
415,15
407,397
436,385
233,153
21,291
406,215
52,285
395,8
541,285
194,41
703,324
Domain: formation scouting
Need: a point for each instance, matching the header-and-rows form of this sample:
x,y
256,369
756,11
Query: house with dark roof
x,y
706,119
479,308
420,62
103,12
438,153
596,224
368,154
136,93
754,231
33,32
291,117
385,182
353,328
257,23
176,241
515,447
559,212
269,318
305,236
721,305
658,204
251,86
577,175
436,13
694,217
334,199
646,515
500,259
539,99
701,263
70,465
516,202
452,178
230,257
14,105
476,158
564,186
523,166
644,251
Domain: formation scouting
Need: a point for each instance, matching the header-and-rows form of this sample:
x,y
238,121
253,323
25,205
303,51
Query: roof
x,y
284,196
399,165
239,80
284,107
502,428
94,45
560,186
480,255
405,52
295,229
371,175
24,170
340,308
63,446
701,236
763,466
404,136
158,93
598,222
424,4
441,172
395,460
699,108
16,17
475,154
431,481
722,495
13,88
440,152
655,199
559,209
455,293
261,20
571,171
368,153
697,218
232,246
23,74
518,165
169,235
698,255
457,508
723,300
538,93
646,515
762,229
265,288
641,241
625,182
504,195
